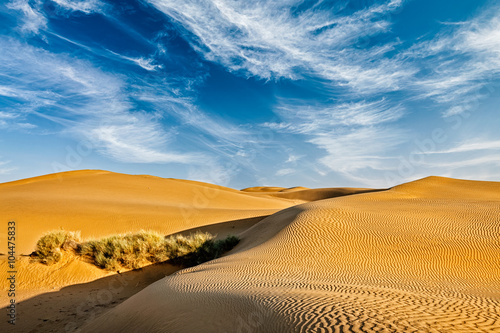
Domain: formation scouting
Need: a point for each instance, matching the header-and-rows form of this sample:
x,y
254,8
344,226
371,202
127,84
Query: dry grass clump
x,y
50,247
128,251
135,250
206,251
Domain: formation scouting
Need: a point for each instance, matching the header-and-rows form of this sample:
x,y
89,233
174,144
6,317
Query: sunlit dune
x,y
419,257
100,203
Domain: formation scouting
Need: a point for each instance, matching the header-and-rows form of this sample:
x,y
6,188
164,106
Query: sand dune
x,y
100,203
420,257
307,195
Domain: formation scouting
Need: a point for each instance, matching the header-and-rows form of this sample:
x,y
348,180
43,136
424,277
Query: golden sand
x,y
101,203
420,257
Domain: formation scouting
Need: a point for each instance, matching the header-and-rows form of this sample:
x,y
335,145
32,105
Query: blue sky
x,y
244,93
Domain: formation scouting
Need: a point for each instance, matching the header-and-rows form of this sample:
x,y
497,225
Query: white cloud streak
x,y
309,119
33,19
284,172
357,128
5,169
89,103
84,6
353,135
268,40
462,63
467,147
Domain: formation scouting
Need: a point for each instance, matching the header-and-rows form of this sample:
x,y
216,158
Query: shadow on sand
x,y
71,307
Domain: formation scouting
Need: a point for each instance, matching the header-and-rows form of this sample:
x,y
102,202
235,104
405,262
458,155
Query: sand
x,y
101,203
420,257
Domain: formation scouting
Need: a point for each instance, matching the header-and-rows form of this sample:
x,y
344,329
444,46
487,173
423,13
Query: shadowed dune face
x,y
304,194
420,257
100,203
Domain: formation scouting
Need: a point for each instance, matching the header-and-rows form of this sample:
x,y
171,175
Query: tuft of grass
x,y
133,251
50,247
180,246
128,251
208,250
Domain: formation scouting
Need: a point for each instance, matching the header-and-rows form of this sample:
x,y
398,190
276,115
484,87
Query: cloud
x,y
84,6
86,101
467,162
471,146
34,12
5,169
272,40
146,63
183,109
293,158
126,116
462,63
354,135
284,172
134,107
130,143
309,119
354,150
33,19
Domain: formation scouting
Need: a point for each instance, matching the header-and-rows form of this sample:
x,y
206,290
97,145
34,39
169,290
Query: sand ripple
x,y
420,257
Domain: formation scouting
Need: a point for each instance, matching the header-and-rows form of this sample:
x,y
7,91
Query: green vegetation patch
x,y
50,246
133,250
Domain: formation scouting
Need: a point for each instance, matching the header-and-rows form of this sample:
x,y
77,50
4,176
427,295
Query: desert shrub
x,y
129,250
179,246
50,247
135,250
206,251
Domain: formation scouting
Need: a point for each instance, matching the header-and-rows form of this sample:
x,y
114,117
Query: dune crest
x,y
420,257
100,203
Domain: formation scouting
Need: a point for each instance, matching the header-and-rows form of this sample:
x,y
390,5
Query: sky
x,y
364,93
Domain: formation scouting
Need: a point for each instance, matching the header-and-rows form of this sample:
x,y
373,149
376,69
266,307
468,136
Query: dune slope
x,y
420,257
99,203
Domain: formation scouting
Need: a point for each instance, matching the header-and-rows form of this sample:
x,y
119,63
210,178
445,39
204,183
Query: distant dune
x,y
101,203
419,257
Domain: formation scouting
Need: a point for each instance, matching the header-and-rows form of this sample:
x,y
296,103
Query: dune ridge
x,y
420,257
100,203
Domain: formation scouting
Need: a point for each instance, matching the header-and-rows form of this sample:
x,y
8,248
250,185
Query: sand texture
x,y
101,203
420,257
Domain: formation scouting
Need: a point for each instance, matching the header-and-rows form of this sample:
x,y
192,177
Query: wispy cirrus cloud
x,y
5,168
294,40
84,6
32,20
146,63
34,13
122,115
305,118
470,146
274,40
85,101
462,61
339,129
357,86
285,172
